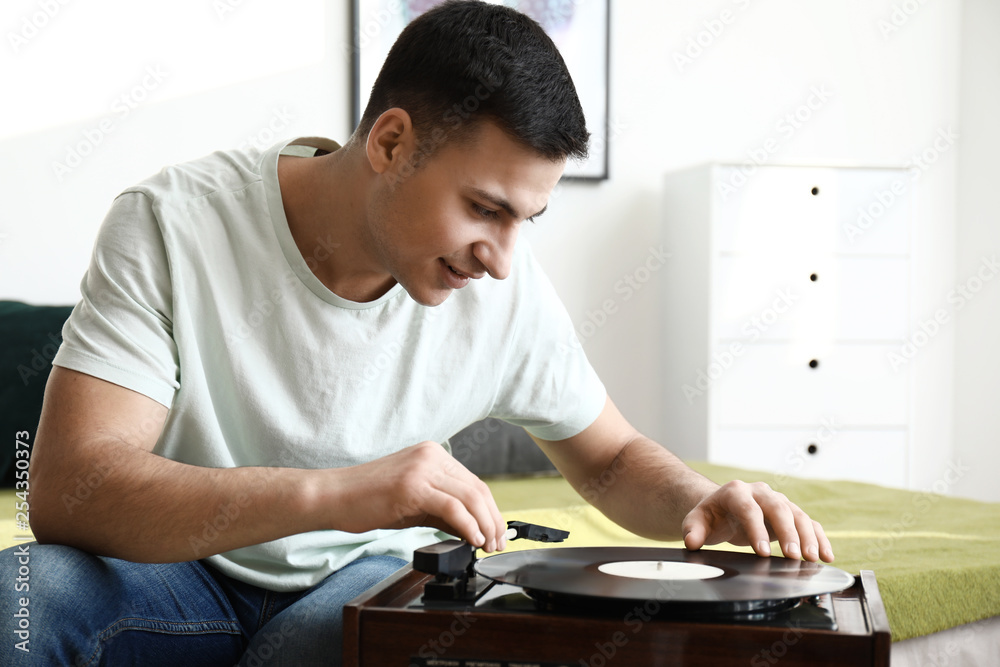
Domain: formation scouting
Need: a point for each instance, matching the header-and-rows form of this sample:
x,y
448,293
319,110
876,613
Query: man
x,y
257,463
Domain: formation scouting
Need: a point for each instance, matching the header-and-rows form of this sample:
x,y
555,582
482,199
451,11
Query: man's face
x,y
457,216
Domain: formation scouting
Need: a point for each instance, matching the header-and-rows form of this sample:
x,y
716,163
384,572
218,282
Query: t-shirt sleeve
x,y
549,386
121,330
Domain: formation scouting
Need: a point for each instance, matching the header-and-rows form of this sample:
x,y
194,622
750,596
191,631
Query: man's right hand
x,y
422,485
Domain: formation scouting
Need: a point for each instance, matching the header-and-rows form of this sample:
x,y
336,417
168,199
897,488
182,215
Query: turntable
x,y
601,606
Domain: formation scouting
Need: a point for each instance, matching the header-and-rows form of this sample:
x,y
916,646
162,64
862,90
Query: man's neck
x,y
324,200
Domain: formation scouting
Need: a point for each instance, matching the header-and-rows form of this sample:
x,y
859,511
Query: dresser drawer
x,y
825,452
774,384
855,211
836,298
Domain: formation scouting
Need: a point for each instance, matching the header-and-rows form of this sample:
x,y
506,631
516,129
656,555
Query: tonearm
x,y
452,562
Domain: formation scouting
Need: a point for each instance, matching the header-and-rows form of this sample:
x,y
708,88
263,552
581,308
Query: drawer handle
x,y
813,277
814,191
812,448
814,363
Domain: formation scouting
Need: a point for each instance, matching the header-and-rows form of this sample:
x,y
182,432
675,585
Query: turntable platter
x,y
707,581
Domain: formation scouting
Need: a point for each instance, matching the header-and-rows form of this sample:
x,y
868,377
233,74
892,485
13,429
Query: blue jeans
x,y
69,607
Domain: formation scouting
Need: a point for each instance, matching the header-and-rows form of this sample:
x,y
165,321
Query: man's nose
x,y
496,253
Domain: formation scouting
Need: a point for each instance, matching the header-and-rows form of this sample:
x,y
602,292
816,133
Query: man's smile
x,y
458,278
453,277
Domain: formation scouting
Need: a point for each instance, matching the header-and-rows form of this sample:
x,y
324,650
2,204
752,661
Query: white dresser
x,y
787,293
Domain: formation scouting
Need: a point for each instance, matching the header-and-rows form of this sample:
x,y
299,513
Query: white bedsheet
x,y
973,645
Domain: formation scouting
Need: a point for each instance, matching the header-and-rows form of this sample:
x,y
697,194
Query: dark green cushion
x,y
492,447
29,338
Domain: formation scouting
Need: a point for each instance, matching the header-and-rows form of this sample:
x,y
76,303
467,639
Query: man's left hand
x,y
755,514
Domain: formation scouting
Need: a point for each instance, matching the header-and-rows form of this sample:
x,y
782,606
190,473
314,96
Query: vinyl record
x,y
692,583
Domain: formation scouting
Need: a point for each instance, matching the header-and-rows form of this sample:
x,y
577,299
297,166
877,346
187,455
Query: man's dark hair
x,y
465,61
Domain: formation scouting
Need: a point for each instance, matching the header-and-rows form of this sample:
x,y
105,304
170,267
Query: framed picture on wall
x,y
579,29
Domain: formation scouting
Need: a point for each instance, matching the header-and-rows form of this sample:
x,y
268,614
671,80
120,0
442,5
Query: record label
x,y
659,569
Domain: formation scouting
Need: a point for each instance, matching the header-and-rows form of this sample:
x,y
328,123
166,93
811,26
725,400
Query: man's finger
x,y
777,512
475,496
753,526
807,534
745,508
453,512
825,548
695,528
500,526
456,480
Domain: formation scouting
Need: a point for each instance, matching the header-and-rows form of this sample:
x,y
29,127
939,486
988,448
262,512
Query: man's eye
x,y
484,212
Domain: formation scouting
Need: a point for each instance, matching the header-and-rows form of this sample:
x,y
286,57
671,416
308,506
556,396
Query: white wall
x,y
229,75
977,363
135,86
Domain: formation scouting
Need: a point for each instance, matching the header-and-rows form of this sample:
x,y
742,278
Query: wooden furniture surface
x,y
383,629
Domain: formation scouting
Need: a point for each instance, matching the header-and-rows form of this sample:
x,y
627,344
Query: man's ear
x,y
391,141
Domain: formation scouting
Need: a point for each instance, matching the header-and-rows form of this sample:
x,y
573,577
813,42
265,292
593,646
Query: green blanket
x,y
936,558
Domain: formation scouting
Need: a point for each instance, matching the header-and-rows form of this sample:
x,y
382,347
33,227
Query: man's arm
x,y
150,509
644,488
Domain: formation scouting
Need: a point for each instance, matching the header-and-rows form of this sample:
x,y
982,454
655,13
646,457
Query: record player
x,y
601,606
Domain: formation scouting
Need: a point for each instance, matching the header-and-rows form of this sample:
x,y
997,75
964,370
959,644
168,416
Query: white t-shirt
x,y
198,297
